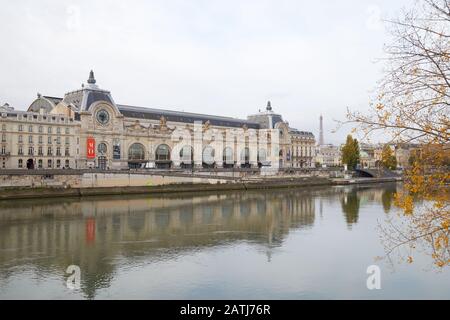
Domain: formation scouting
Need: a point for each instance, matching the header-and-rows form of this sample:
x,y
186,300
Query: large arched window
x,y
136,152
262,155
208,155
228,156
162,153
187,154
245,155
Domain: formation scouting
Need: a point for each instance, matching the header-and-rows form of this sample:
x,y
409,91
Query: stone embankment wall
x,y
63,185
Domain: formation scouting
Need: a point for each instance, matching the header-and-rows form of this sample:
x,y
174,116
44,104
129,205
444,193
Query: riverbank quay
x,y
79,183
348,181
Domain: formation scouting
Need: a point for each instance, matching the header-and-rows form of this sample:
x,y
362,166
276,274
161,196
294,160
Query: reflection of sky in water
x,y
288,244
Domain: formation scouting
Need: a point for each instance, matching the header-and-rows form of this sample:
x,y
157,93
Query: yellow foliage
x,y
445,224
404,202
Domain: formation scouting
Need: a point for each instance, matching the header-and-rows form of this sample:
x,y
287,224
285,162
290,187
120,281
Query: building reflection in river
x,y
94,232
353,198
98,234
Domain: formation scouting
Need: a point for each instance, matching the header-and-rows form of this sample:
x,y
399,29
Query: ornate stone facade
x,y
87,129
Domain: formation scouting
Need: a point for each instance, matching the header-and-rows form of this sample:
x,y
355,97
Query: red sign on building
x,y
90,148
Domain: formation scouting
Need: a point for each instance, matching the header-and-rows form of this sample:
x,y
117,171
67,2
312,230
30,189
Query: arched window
x,y
136,152
262,155
162,153
245,155
228,155
187,154
102,148
208,155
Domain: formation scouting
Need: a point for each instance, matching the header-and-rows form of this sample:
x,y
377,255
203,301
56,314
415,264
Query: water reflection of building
x,y
353,198
93,233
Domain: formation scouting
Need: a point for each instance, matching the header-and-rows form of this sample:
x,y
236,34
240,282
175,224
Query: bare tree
x,y
412,105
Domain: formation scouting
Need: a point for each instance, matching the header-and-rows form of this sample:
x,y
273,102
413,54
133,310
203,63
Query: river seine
x,y
309,243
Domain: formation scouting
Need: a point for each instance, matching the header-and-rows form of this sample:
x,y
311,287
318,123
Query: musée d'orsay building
x,y
87,129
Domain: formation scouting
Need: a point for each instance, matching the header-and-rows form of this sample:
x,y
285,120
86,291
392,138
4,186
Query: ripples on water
x,y
293,244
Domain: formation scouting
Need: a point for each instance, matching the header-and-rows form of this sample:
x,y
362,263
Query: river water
x,y
309,243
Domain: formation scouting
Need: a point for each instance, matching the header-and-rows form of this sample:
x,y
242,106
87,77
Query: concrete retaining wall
x,y
99,180
86,184
36,186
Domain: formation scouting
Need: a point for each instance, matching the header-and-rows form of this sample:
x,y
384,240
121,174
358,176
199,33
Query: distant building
x,y
303,148
401,151
367,155
328,155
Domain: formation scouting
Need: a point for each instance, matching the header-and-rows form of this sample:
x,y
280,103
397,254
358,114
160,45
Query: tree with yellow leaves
x,y
388,159
350,153
413,105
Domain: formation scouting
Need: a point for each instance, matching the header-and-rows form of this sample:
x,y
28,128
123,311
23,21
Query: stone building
x,y
328,155
367,155
37,140
297,148
88,129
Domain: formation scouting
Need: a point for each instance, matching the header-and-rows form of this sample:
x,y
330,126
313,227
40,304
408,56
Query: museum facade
x,y
87,129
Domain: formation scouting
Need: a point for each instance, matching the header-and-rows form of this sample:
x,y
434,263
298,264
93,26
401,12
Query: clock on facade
x,y
103,116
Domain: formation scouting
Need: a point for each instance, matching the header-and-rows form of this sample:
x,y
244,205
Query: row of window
x,y
40,129
305,153
30,164
41,151
40,139
43,117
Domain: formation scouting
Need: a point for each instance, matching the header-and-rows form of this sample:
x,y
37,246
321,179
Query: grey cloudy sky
x,y
218,57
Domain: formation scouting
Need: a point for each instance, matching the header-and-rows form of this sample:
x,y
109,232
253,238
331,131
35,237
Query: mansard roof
x,y
43,102
186,117
82,99
55,100
302,133
75,99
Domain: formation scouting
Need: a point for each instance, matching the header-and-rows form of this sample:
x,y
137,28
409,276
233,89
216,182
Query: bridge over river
x,y
376,173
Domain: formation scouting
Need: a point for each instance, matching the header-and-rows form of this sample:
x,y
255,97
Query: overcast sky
x,y
217,57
